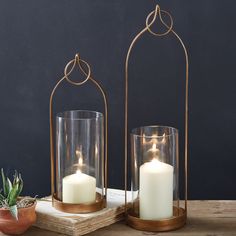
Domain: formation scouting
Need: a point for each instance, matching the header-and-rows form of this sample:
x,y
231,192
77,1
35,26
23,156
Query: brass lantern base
x,y
99,204
173,223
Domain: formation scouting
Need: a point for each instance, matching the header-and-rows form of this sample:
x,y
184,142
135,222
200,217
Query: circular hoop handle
x,y
78,61
156,12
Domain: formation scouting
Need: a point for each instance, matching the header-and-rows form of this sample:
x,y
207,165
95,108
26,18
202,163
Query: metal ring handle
x,y
158,12
75,61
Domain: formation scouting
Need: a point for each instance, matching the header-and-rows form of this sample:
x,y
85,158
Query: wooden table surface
x,y
209,218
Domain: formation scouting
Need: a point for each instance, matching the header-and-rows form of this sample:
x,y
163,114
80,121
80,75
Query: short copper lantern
x,y
79,174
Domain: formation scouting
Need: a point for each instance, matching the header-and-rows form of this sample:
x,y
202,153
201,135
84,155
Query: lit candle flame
x,y
80,161
80,164
153,152
154,147
78,153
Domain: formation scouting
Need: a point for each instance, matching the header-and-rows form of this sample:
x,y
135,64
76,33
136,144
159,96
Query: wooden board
x,y
79,224
206,218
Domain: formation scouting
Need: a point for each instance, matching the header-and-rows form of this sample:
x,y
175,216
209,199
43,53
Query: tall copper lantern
x,y
154,162
78,151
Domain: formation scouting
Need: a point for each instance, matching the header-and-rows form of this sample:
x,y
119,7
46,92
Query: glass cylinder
x,y
154,172
80,157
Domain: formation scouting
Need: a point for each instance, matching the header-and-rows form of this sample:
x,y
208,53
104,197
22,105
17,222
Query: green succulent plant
x,y
10,192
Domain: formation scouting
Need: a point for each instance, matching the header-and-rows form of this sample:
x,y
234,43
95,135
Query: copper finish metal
x,y
175,222
139,224
99,204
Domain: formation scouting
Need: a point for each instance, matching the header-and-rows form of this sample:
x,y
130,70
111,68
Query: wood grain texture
x,y
208,218
48,218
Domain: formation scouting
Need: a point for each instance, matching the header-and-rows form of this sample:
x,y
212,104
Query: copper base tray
x,y
175,222
99,204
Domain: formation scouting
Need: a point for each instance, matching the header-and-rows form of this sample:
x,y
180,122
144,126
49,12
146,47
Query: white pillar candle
x,y
156,190
78,188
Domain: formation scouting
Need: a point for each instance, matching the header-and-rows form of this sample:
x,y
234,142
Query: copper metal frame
x,y
100,201
180,214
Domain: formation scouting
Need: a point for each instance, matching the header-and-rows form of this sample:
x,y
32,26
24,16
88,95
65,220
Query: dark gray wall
x,y
37,38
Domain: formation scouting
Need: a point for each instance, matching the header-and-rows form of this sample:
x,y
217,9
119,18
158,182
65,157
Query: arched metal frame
x,y
179,220
100,202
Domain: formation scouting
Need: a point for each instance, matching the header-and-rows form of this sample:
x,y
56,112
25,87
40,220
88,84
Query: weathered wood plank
x,y
206,218
48,218
205,208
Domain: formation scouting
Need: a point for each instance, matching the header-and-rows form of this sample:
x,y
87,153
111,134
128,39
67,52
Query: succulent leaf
x,y
8,186
11,192
4,183
20,185
12,197
14,211
15,177
1,197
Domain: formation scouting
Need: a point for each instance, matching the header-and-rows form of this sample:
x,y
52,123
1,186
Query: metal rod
x,y
157,12
77,61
